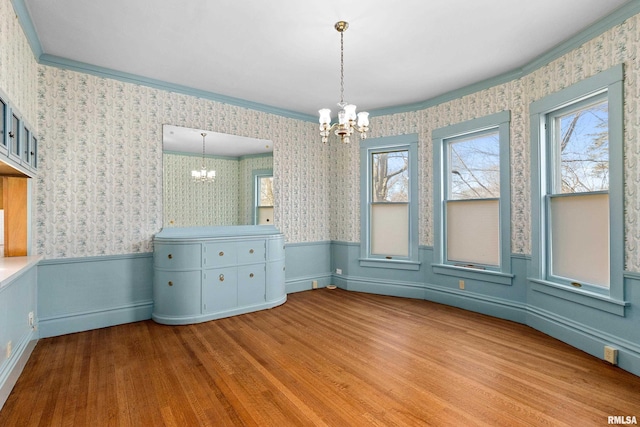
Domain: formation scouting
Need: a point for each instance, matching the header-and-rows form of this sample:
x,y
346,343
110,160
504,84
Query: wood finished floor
x,y
325,358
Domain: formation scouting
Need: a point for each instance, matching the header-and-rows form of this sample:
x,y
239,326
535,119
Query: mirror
x,y
242,192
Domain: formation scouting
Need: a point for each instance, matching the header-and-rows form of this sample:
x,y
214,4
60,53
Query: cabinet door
x,y
219,289
176,293
251,284
177,257
251,252
219,254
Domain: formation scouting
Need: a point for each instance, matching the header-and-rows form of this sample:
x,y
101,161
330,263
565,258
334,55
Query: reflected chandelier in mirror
x,y
233,198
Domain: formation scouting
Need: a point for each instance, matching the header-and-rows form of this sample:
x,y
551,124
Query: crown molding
x,y
617,17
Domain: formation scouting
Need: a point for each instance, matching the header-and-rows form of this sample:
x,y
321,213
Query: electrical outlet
x,y
31,319
338,271
314,284
611,355
461,284
9,349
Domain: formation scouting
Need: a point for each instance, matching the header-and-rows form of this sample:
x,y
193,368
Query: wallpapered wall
x,y
99,192
619,44
186,203
227,201
100,171
18,67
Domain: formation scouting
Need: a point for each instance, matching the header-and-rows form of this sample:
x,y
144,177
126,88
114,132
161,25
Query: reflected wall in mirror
x,y
234,198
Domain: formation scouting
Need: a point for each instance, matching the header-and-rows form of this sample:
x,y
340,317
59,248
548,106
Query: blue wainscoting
x,y
306,262
17,300
79,294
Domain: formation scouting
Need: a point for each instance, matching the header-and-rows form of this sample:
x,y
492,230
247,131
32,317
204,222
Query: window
x,y
263,185
577,166
472,201
389,207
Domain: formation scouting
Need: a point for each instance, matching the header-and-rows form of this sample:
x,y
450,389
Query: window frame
x,y
257,175
610,83
368,147
441,137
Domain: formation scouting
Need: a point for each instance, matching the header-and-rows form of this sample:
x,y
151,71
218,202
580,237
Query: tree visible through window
x,y
583,141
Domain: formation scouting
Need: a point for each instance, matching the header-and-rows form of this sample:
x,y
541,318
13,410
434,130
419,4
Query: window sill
x,y
491,276
580,296
390,263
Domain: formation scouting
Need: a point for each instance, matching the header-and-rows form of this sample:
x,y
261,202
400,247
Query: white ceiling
x,y
188,140
286,53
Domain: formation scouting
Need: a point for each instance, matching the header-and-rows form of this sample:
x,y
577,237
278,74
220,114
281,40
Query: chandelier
x,y
348,120
203,175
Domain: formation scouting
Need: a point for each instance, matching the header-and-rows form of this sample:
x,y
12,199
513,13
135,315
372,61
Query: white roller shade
x,y
390,229
473,231
580,238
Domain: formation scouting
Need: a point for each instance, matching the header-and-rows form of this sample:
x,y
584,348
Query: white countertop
x,y
11,267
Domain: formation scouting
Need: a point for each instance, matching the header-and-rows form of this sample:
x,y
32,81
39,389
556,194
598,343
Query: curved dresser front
x,y
206,273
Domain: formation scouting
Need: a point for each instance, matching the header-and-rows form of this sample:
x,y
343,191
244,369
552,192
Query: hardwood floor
x,y
325,358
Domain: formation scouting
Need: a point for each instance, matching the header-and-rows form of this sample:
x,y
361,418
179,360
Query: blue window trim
x,y
407,142
257,173
610,82
501,122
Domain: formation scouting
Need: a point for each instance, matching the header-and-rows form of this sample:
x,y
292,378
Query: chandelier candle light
x,y
347,123
203,175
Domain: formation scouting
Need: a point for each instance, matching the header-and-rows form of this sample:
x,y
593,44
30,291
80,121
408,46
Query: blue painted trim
x,y
617,17
95,319
398,264
470,273
610,82
27,26
584,337
300,284
68,64
316,243
580,296
479,303
61,261
396,288
12,368
407,142
501,122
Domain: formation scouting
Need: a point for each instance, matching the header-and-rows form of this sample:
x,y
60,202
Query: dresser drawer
x,y
251,252
219,254
177,257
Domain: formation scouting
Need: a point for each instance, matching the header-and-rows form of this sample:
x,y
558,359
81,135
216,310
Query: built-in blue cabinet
x,y
206,273
18,142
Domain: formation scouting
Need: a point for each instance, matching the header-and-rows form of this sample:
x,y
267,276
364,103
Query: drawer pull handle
x,y
221,277
221,253
169,256
251,275
170,283
250,251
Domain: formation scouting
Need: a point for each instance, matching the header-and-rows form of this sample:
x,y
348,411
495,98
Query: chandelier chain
x,y
342,67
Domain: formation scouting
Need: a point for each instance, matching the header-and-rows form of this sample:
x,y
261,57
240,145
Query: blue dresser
x,y
206,273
